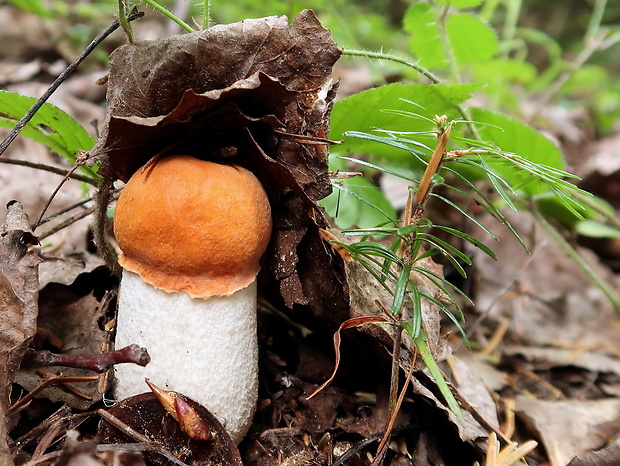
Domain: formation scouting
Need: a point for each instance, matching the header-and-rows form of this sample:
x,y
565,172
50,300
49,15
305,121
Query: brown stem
x,y
382,448
411,217
92,362
46,383
52,169
103,198
66,223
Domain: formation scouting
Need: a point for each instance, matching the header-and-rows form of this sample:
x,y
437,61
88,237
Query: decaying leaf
x,y
19,288
569,428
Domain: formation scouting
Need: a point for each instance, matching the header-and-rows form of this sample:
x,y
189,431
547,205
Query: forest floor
x,y
544,363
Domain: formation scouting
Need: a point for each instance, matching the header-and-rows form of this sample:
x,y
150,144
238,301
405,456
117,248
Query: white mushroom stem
x,y
204,348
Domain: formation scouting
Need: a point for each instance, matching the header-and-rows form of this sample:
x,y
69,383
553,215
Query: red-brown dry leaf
x,y
19,289
250,92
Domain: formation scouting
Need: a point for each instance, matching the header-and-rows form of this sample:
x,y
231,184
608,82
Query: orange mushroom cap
x,y
185,224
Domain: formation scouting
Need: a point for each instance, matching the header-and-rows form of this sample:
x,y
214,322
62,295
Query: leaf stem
x,y
592,46
206,14
122,19
394,58
420,69
594,25
442,19
167,13
513,10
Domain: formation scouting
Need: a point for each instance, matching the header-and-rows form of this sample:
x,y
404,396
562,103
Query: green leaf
x,y
470,239
472,41
594,229
401,289
32,6
518,138
436,374
460,3
425,43
358,202
366,111
503,76
50,126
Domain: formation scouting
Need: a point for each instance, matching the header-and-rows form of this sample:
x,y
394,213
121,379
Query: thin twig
x,y
49,168
66,223
382,448
51,198
591,46
55,215
424,72
135,435
394,58
44,384
59,80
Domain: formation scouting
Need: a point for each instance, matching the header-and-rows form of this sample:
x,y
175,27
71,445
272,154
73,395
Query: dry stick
x,y
59,80
48,438
382,448
66,210
66,223
51,198
47,382
51,169
17,445
134,434
70,220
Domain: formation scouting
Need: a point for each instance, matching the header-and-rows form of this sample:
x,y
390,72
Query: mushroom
x,y
191,234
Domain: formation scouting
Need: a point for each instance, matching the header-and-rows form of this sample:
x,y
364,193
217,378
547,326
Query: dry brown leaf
x,y
19,289
569,428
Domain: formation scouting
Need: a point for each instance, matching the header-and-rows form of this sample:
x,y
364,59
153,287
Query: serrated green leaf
x,y
472,41
358,202
420,22
50,126
365,111
518,138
